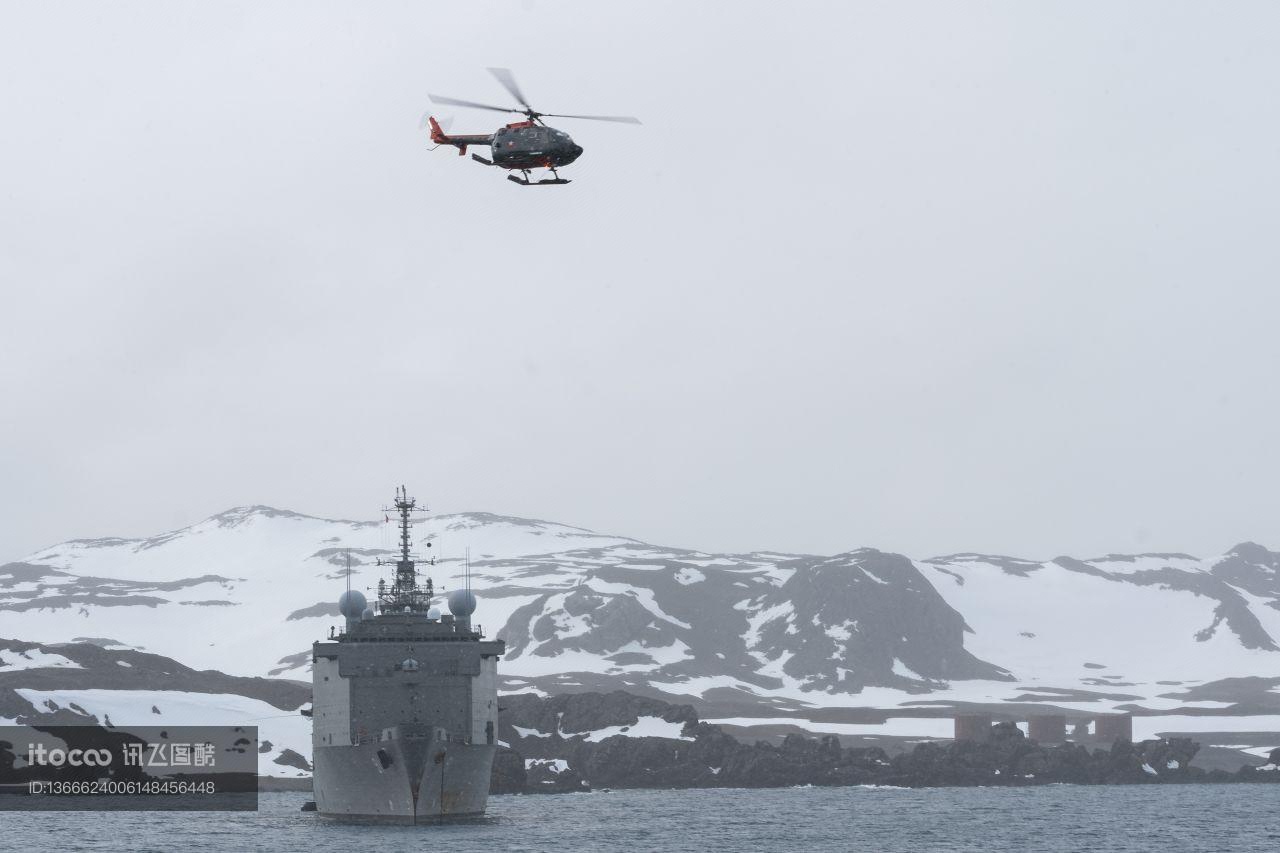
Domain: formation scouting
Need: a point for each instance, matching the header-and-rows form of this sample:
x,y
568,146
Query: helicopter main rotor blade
x,y
621,119
508,81
457,102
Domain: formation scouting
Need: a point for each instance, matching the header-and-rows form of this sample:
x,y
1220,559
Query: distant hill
x,y
821,642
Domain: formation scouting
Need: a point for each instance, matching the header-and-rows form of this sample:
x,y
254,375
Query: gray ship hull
x,y
404,714
403,780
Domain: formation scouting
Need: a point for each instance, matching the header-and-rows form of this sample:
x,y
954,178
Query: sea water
x,y
1166,818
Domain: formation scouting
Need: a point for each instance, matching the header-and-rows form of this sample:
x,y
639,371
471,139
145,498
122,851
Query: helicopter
x,y
522,145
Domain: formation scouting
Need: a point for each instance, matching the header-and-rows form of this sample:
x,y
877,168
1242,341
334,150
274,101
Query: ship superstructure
x,y
405,710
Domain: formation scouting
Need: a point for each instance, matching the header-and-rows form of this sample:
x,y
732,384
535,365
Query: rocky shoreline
x,y
554,745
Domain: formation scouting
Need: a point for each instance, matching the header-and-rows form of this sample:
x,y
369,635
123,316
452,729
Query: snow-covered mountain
x,y
833,642
77,683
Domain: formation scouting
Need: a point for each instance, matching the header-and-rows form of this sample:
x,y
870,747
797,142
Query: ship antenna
x,y
404,505
348,571
405,594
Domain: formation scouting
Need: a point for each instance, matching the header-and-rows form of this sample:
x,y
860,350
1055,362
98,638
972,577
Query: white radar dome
x,y
462,602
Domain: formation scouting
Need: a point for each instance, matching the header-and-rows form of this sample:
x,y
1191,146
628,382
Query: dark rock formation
x,y
562,754
289,758
508,775
574,713
1252,568
886,610
553,776
839,623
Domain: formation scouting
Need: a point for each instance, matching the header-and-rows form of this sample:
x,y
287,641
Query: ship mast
x,y
405,594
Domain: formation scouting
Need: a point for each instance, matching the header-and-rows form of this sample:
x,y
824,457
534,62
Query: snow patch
x,y
523,732
133,707
10,660
644,727
688,576
901,669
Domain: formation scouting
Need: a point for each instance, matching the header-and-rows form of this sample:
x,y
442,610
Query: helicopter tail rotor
x,y
428,120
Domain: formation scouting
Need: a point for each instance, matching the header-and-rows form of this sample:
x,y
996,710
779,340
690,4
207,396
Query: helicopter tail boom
x,y
439,137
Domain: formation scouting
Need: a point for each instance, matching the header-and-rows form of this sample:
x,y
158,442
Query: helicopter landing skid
x,y
525,182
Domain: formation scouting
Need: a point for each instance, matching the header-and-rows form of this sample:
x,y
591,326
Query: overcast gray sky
x,y
928,277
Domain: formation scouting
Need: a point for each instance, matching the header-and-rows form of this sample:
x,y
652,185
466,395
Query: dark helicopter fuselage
x,y
526,145
521,146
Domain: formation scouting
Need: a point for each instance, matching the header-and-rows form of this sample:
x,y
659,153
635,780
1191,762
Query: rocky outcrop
x,y
553,776
289,758
864,618
557,739
1252,568
571,714
508,776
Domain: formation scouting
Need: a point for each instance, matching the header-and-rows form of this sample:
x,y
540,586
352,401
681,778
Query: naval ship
x,y
404,701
